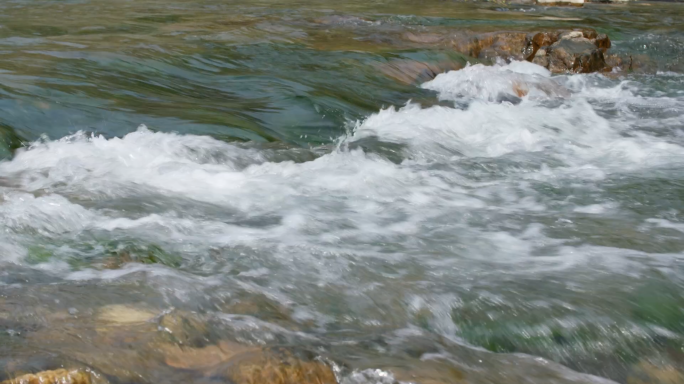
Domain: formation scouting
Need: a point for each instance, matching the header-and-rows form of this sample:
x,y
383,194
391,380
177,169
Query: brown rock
x,y
275,366
573,52
540,58
539,40
470,45
589,34
636,63
544,39
602,41
59,376
560,60
560,51
121,315
263,307
507,45
201,358
184,328
590,62
430,372
648,373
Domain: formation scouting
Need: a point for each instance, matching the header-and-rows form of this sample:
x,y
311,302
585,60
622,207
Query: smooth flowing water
x,y
253,164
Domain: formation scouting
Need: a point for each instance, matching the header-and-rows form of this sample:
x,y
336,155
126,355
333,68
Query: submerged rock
x,y
121,254
262,307
489,46
430,372
574,3
59,376
276,366
649,373
411,71
123,315
202,358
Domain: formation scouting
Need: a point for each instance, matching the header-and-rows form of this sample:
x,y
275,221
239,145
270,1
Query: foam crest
x,y
574,130
495,83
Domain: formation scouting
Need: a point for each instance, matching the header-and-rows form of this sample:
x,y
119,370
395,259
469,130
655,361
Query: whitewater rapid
x,y
519,189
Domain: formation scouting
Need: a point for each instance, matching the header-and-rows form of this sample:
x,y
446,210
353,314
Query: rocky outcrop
x,y
569,51
560,51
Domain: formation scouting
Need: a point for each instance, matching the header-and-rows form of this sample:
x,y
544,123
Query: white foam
x,y
472,188
517,79
594,208
51,215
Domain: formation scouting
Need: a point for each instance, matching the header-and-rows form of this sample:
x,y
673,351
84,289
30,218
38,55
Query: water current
x,y
251,164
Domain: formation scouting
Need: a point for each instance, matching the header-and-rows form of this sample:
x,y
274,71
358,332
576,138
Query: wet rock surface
x,y
276,366
60,376
135,343
413,72
569,51
646,372
560,51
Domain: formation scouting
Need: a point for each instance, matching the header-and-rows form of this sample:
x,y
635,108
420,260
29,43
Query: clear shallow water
x,y
256,165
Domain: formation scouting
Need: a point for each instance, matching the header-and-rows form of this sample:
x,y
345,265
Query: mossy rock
x,y
38,254
122,253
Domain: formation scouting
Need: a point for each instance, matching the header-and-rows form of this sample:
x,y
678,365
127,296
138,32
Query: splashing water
x,y
504,221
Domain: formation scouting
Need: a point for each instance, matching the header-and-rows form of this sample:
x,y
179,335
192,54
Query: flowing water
x,y
252,162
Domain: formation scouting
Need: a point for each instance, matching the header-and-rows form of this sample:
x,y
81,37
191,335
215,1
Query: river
x,y
253,168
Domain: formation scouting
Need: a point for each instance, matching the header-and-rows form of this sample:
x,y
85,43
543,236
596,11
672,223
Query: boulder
x,y
541,58
602,41
561,51
570,51
588,62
